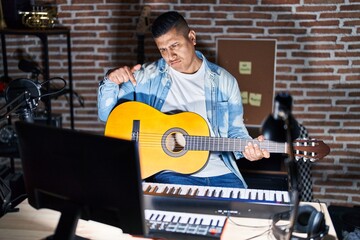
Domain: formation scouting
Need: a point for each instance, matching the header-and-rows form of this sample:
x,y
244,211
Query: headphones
x,y
308,221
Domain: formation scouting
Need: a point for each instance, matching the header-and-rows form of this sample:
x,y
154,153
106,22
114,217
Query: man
x,y
184,80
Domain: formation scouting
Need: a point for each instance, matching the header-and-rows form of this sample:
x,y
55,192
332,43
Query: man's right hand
x,y
124,74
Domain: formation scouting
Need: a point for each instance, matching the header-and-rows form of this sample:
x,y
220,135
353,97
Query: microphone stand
x,y
282,127
290,160
292,174
26,98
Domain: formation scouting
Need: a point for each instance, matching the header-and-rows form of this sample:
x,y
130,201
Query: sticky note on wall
x,y
245,97
255,99
245,67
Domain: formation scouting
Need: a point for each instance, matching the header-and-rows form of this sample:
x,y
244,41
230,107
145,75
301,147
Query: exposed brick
x,y
315,8
323,46
311,54
323,1
329,62
237,8
317,61
287,31
314,70
352,23
353,7
340,15
317,23
321,78
275,24
252,15
297,16
317,39
282,2
273,9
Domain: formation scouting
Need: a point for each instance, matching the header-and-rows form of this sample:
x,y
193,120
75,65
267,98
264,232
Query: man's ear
x,y
192,36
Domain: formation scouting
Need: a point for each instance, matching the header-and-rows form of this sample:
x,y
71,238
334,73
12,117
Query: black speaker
x,y
11,9
309,222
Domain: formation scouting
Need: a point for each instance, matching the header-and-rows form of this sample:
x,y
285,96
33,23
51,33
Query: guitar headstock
x,y
310,149
143,24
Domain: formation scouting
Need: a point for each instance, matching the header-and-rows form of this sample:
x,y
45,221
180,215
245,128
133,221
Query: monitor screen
x,y
82,175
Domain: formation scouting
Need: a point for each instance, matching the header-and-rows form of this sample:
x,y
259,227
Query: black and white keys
x,y
260,195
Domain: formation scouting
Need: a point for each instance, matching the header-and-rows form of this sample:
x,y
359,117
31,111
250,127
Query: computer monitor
x,y
82,175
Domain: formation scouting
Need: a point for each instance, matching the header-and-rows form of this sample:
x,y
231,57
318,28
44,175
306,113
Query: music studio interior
x,y
52,185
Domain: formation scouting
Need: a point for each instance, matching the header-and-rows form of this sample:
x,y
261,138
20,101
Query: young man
x,y
184,80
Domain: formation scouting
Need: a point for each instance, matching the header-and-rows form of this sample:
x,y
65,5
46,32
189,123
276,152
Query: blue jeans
x,y
227,180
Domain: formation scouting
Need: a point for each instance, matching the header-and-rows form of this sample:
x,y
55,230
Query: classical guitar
x,y
181,142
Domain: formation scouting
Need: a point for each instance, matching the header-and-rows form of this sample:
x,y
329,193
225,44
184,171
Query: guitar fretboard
x,y
202,143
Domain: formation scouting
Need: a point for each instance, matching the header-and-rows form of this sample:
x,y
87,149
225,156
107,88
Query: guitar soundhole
x,y
173,142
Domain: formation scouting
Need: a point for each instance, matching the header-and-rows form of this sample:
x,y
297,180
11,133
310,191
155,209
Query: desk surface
x,y
32,224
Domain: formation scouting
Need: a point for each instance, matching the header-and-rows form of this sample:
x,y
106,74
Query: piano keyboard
x,y
217,192
179,225
216,200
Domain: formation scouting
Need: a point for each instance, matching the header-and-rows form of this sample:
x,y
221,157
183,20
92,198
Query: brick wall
x,y
318,50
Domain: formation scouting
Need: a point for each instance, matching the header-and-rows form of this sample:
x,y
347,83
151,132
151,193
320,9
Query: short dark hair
x,y
167,21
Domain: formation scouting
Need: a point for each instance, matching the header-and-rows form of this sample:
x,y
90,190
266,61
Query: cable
x,y
248,226
268,230
259,235
56,92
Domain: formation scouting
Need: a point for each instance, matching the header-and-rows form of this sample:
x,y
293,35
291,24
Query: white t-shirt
x,y
187,93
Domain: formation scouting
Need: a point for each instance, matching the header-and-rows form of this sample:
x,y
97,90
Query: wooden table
x,y
32,224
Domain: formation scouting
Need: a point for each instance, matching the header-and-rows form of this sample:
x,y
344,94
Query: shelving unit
x,y
43,35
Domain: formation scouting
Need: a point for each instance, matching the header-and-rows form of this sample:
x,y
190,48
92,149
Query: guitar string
x,y
199,142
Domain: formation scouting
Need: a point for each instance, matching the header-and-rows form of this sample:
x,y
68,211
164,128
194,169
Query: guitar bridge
x,y
135,131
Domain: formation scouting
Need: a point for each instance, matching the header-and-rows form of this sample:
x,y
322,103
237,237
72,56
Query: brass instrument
x,y
40,17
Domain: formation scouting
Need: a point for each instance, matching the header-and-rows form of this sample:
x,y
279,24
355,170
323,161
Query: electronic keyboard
x,y
239,202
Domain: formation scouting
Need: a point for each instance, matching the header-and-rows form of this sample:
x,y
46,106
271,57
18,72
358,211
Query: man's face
x,y
179,50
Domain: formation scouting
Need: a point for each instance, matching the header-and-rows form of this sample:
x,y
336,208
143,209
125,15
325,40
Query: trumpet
x,y
40,17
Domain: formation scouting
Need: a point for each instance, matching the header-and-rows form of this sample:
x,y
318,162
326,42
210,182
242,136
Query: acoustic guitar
x,y
181,142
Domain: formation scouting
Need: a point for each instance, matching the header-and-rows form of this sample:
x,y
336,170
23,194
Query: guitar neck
x,y
200,143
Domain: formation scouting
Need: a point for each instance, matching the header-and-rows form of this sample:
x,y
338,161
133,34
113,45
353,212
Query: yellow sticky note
x,y
245,97
255,99
245,67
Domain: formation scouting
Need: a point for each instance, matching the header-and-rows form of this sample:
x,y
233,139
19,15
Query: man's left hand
x,y
253,152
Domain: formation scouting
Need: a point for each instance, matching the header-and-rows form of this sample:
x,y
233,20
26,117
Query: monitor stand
x,y
67,224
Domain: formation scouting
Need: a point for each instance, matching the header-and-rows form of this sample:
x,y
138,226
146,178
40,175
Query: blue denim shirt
x,y
222,95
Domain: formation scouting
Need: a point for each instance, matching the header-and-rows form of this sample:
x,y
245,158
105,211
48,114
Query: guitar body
x,y
160,143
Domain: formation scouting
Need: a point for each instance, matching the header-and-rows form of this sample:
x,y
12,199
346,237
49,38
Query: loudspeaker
x,y
309,222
